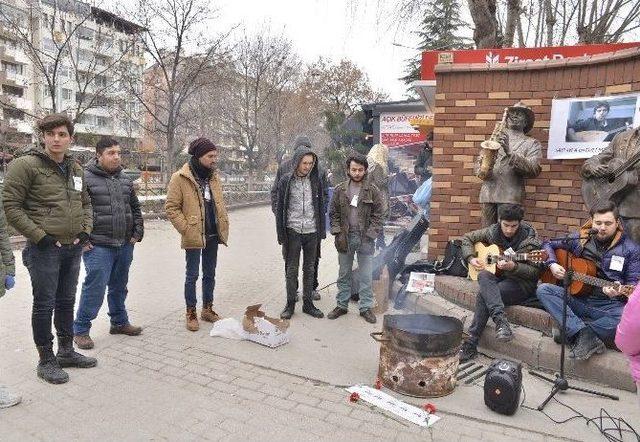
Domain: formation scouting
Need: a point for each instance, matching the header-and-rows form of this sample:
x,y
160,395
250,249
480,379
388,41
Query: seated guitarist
x,y
515,281
592,319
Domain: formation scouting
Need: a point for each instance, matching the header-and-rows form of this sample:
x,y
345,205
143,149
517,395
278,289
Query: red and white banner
x,y
396,128
512,55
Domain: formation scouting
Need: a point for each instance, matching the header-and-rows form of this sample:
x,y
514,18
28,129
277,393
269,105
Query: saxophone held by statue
x,y
490,147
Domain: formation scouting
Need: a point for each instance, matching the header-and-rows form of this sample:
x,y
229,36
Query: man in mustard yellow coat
x,y
196,209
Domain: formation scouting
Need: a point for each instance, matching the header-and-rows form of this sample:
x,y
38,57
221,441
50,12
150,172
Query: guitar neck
x,y
592,280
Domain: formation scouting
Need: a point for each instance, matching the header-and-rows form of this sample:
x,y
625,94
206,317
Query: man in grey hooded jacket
x,y
299,203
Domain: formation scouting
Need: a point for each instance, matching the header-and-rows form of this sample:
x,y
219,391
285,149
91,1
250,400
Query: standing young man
x,y
196,209
356,216
117,226
303,143
46,200
298,205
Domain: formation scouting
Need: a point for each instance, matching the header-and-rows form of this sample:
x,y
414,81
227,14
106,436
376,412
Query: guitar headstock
x,y
537,256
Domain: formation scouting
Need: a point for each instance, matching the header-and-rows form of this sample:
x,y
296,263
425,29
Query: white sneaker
x,y
7,398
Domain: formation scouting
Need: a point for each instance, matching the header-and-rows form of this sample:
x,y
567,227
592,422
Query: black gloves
x,y
46,241
83,238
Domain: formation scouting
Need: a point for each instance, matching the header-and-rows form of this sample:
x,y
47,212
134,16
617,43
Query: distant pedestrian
x,y
46,200
117,226
7,281
357,216
298,201
197,210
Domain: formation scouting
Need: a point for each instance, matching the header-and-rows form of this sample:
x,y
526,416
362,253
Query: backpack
x,y
453,263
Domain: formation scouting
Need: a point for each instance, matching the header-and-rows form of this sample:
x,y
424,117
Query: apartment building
x,y
80,59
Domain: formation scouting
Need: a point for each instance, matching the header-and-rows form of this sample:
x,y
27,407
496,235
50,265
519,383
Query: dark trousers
x,y
602,315
209,260
316,284
495,293
307,244
54,278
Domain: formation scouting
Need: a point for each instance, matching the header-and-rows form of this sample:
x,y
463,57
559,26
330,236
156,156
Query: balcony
x,y
17,55
21,126
19,80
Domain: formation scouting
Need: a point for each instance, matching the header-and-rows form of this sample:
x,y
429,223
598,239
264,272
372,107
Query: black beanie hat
x,y
201,146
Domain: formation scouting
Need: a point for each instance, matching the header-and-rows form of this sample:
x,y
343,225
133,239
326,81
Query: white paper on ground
x,y
229,328
268,334
388,403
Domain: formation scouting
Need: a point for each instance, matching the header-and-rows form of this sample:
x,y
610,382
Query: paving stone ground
x,y
172,384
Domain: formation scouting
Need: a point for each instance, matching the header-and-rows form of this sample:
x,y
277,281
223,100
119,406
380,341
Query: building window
x,y
67,94
12,68
102,121
84,33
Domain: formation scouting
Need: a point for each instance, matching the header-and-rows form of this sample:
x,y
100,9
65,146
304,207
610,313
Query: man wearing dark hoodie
x,y
299,204
516,282
286,166
117,226
46,200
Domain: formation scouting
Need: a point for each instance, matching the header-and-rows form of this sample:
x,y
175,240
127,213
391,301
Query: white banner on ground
x,y
388,403
583,127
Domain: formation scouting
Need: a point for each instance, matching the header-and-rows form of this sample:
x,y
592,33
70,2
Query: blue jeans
x,y
365,268
209,260
600,314
104,267
54,278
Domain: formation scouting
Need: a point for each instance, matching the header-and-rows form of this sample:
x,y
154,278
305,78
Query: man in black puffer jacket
x,y
118,225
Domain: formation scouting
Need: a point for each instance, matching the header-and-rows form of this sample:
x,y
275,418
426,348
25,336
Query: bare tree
x,y
266,69
72,47
184,56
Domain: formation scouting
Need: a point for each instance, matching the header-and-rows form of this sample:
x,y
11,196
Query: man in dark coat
x,y
117,226
286,166
516,282
298,203
592,320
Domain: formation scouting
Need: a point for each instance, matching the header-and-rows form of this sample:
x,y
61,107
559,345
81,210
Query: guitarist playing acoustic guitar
x,y
513,284
592,319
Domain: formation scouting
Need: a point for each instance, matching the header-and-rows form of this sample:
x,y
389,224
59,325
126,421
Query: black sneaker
x,y
312,310
503,329
467,352
337,312
587,344
368,316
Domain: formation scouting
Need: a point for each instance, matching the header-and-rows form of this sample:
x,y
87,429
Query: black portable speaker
x,y
502,385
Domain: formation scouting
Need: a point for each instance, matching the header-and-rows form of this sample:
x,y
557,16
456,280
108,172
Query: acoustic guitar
x,y
583,276
592,136
612,187
490,255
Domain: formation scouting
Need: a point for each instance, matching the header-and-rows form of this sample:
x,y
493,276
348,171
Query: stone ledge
x,y
463,292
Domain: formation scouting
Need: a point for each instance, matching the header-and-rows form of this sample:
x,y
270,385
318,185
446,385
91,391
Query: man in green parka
x,y
46,200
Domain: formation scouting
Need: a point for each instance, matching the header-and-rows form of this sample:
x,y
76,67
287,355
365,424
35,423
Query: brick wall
x,y
469,101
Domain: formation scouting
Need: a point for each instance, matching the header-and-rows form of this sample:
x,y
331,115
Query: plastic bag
x,y
422,196
229,328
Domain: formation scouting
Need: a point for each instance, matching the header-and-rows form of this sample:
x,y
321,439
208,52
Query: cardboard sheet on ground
x,y
388,403
255,326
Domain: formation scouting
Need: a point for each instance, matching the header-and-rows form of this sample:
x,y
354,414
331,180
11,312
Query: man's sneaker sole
x,y
598,349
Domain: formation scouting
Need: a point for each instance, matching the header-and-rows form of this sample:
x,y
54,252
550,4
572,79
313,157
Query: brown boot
x,y
127,329
208,314
83,341
192,319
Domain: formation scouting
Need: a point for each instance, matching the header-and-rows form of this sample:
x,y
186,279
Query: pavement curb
x,y
531,347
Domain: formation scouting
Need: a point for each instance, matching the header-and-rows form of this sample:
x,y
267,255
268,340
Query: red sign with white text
x,y
512,55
